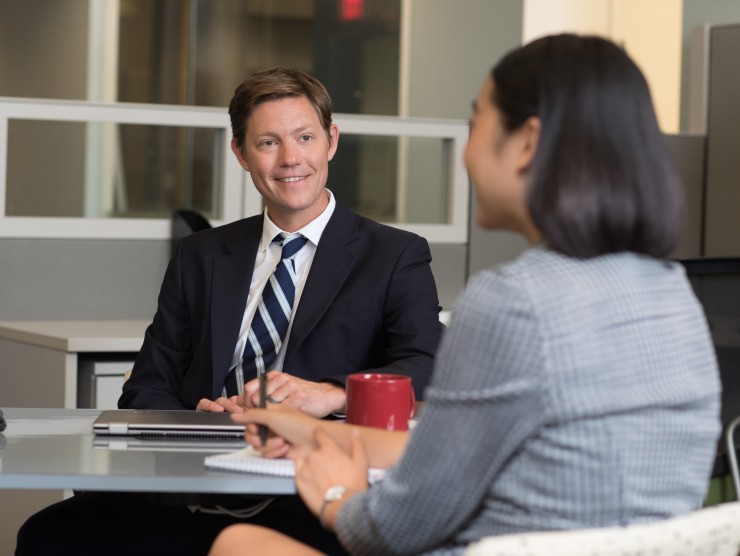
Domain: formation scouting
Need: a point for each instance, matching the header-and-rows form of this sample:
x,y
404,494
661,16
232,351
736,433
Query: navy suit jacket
x,y
369,303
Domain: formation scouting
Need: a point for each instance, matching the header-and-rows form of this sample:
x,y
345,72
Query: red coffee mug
x,y
380,400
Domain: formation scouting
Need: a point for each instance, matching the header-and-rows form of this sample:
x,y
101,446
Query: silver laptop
x,y
169,443
156,422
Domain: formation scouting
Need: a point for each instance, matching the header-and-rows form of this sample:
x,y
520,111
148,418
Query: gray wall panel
x,y
699,13
489,248
722,234
80,279
688,152
97,279
449,264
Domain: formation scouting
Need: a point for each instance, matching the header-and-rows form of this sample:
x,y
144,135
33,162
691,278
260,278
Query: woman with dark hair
x,y
576,386
602,181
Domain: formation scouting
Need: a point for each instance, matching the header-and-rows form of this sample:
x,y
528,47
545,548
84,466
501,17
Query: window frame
x,y
237,196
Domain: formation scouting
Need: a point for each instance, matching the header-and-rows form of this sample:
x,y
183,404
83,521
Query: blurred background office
x,y
88,183
63,180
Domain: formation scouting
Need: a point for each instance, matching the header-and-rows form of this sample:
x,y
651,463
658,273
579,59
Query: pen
x,y
263,404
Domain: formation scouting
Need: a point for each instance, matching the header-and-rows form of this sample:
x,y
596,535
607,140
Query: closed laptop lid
x,y
157,443
157,422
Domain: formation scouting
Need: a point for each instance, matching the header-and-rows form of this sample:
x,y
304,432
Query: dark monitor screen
x,y
716,282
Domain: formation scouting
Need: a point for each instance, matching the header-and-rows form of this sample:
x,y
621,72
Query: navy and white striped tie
x,y
270,321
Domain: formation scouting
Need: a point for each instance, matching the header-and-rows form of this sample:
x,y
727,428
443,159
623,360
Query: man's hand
x,y
318,399
219,405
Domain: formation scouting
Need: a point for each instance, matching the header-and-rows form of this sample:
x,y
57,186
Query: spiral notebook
x,y
249,460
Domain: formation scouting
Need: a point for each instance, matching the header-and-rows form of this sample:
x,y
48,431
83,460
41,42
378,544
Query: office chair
x,y
732,454
186,222
716,283
712,531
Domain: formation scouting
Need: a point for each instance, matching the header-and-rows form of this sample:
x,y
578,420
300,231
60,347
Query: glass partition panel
x,y
45,168
196,52
98,170
78,169
167,168
377,175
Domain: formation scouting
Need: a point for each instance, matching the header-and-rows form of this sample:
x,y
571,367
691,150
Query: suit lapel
x,y
232,275
334,259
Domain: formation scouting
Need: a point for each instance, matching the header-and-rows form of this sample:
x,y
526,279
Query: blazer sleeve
x,y
167,349
411,316
403,335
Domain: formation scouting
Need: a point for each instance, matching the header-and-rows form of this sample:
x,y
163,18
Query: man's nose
x,y
290,154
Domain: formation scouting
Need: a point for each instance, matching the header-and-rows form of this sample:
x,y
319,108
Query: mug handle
x,y
413,402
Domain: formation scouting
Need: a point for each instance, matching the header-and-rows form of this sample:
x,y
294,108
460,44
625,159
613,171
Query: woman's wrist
x,y
334,498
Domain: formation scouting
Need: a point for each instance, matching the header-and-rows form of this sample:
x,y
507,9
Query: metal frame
x,y
732,455
238,197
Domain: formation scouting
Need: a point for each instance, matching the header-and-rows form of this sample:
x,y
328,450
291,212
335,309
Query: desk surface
x,y
78,335
48,449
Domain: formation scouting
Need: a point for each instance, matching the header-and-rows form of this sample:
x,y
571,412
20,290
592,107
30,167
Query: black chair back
x,y
716,282
186,222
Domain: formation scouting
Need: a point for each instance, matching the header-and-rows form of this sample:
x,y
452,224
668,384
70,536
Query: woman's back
x,y
628,387
568,393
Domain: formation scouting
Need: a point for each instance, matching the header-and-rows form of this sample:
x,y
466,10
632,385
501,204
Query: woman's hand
x,y
291,432
329,465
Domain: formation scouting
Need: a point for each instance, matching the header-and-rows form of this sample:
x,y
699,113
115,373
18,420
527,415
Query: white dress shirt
x,y
268,256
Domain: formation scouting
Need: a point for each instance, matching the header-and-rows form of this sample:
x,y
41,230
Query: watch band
x,y
332,494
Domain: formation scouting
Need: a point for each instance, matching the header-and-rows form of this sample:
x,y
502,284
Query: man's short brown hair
x,y
274,84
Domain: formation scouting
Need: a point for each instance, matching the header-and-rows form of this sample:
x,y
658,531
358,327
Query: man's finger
x,y
209,405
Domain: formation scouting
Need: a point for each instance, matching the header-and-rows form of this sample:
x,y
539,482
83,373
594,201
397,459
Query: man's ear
x,y
333,140
238,153
529,139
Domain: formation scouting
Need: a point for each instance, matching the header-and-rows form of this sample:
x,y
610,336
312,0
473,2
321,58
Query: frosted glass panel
x,y
97,170
73,169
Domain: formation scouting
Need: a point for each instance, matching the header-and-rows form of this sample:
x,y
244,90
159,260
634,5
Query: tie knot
x,y
291,246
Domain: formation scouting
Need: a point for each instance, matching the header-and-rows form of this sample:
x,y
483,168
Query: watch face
x,y
334,493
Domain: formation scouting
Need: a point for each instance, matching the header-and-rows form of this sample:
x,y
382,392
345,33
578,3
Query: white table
x,y
41,362
56,449
45,451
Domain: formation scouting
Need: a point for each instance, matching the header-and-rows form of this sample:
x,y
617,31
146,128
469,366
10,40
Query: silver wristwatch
x,y
332,494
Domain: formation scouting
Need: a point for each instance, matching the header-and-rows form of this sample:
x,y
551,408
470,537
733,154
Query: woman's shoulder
x,y
545,265
532,264
545,277
504,286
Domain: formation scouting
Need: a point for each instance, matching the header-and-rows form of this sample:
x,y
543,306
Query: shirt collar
x,y
312,230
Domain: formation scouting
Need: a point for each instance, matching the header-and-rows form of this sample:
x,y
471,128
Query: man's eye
x,y
305,138
268,143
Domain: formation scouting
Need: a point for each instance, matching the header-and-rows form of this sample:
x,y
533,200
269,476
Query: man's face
x,y
287,152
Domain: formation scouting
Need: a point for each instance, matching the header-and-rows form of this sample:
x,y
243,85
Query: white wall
x,y
450,49
651,32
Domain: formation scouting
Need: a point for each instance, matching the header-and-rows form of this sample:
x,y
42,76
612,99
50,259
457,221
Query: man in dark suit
x,y
365,299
